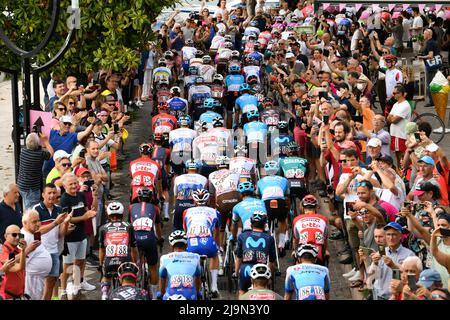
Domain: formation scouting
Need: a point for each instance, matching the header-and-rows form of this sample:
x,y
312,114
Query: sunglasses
x,y
71,103
14,235
346,161
66,165
362,184
324,86
67,123
62,109
385,52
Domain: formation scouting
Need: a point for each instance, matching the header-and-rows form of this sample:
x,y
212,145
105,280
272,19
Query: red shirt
x,y
311,228
144,172
163,122
13,284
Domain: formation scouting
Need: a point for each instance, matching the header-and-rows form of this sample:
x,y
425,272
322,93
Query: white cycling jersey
x,y
198,93
224,53
185,184
181,139
224,136
252,70
223,181
200,221
162,73
217,42
207,72
244,166
206,148
195,62
188,53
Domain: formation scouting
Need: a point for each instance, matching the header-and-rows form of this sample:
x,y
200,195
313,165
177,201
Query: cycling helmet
x,y
146,148
128,269
199,53
271,167
307,248
250,60
206,59
178,236
193,70
293,146
282,125
260,270
162,62
163,105
252,35
176,297
145,193
345,22
267,100
217,122
235,54
228,45
201,196
244,87
390,57
184,120
279,19
222,161
189,42
246,186
164,81
199,80
175,90
114,208
252,79
218,77
252,114
228,37
259,217
157,136
168,55
254,24
235,69
310,201
192,165
208,103
240,150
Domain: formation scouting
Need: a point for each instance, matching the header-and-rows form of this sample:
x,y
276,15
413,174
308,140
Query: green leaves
x,y
111,31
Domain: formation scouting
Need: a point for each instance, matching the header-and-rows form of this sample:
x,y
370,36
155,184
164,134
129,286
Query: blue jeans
x,y
30,198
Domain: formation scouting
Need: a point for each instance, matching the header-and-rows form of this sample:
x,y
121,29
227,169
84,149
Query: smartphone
x,y
325,119
396,274
323,94
412,282
407,205
91,113
347,170
89,183
381,250
65,210
37,236
21,236
116,128
445,232
417,136
357,119
12,256
367,251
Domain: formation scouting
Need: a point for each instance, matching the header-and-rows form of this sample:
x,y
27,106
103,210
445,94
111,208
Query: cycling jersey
x,y
260,294
309,281
252,70
129,292
189,81
223,54
247,102
249,46
244,210
294,167
163,123
200,224
233,82
253,247
270,117
264,38
273,187
116,238
162,73
144,172
223,181
207,72
143,217
311,229
180,269
206,148
245,167
280,144
177,106
188,53
255,131
198,93
208,117
217,91
250,30
181,139
224,139
217,42
187,183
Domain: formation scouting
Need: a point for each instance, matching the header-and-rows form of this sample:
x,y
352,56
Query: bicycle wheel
x,y
229,266
437,125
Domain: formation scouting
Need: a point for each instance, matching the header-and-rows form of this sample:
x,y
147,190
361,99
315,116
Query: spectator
x,y
30,168
59,110
428,51
377,272
62,166
373,150
380,133
399,288
440,249
10,212
60,88
176,38
39,262
425,174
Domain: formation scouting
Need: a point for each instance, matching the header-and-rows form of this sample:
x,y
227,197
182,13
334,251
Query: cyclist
x,y
117,245
179,271
309,280
180,141
161,155
145,172
189,79
233,82
146,221
311,228
177,106
295,169
162,72
206,69
269,116
255,132
206,148
163,122
281,142
208,116
243,210
128,273
187,53
217,87
252,68
244,104
245,167
254,246
274,191
197,94
260,275
201,224
184,186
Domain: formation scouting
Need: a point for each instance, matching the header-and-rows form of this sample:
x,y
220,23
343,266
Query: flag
x,y
405,6
421,6
391,6
358,6
325,6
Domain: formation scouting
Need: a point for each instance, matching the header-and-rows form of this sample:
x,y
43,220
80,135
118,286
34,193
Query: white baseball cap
x,y
65,119
60,154
374,142
290,55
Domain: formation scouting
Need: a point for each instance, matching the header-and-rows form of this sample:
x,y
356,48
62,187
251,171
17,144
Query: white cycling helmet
x,y
114,208
218,77
307,248
222,161
260,270
201,196
175,90
178,236
176,297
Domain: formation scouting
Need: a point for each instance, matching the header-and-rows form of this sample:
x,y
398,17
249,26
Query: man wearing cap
x,y
429,280
442,166
426,167
373,150
63,139
380,133
297,67
62,166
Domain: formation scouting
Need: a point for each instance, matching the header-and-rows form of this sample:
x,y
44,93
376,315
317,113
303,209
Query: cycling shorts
x,y
297,188
111,264
180,206
165,180
226,201
206,170
276,209
178,169
230,100
203,246
245,282
148,248
185,65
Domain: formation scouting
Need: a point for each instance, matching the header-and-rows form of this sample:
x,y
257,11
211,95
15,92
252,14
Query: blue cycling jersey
x,y
177,103
273,187
255,131
208,116
256,55
144,216
180,269
280,144
309,281
245,209
233,81
247,102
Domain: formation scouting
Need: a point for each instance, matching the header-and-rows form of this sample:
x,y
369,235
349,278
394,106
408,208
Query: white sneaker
x,y
69,288
350,273
139,103
355,277
104,296
87,286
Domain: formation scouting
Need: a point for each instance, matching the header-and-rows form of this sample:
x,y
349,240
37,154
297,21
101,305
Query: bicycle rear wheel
x,y
437,125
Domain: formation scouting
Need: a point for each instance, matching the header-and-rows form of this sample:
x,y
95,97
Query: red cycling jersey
x,y
311,229
144,172
163,123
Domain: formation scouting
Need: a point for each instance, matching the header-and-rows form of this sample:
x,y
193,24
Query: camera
x,y
401,220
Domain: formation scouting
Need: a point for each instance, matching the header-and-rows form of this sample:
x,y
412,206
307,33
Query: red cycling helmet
x,y
309,201
163,105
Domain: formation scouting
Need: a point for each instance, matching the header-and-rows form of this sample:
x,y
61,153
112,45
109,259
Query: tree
x,y
110,32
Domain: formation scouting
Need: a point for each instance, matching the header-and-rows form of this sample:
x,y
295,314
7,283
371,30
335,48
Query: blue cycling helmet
x,y
244,87
271,167
259,217
199,80
254,24
193,70
235,68
209,103
192,164
184,120
246,186
252,114
345,22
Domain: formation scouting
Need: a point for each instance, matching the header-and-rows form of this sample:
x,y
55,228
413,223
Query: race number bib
x,y
116,244
198,230
294,173
184,281
308,291
249,107
143,224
